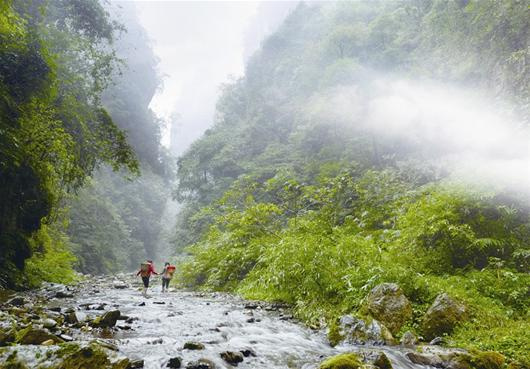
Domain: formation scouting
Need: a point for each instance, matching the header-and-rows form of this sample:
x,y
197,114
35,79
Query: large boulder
x,y
387,303
442,317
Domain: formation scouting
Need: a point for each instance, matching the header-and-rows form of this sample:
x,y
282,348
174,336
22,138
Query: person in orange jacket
x,y
146,270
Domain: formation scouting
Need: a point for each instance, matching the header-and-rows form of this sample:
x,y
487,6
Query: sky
x,y
201,45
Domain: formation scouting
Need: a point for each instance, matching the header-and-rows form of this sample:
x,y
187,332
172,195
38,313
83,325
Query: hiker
x,y
146,269
167,274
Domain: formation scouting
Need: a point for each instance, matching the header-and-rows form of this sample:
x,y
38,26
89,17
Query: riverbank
x,y
105,322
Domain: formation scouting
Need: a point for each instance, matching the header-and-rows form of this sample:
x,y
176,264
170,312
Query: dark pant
x,y
165,282
146,281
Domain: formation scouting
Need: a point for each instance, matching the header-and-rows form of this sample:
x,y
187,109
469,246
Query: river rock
x,y
6,337
408,339
120,285
342,361
89,357
71,318
193,346
357,331
382,361
48,343
32,336
16,301
137,364
436,341
424,359
232,357
200,364
63,295
66,337
49,323
248,352
442,317
174,362
107,320
387,303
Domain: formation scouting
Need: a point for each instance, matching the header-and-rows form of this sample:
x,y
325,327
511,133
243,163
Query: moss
x,y
13,363
342,361
334,335
487,360
66,349
86,357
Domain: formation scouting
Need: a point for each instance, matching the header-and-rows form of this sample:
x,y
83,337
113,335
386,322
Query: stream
x,y
158,327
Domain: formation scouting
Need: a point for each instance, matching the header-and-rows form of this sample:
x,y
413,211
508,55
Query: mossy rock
x,y
193,346
86,357
342,361
32,336
443,316
66,349
476,360
382,361
388,304
487,360
107,320
7,337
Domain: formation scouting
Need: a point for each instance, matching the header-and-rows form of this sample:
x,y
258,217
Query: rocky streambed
x,y
105,322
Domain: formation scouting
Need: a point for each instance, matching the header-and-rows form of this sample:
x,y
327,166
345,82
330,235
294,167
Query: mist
x,y
467,132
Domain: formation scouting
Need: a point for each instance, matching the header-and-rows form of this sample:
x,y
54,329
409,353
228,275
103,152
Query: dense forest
x,y
292,196
350,156
83,173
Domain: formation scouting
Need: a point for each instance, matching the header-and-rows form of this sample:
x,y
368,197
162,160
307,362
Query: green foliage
x,y
55,60
291,197
52,259
322,248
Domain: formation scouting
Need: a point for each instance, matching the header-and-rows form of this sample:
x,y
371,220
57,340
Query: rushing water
x,y
158,327
220,322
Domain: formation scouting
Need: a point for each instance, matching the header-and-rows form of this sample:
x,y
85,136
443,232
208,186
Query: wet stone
x,y
233,358
193,346
49,323
424,359
108,319
63,295
17,301
382,361
174,362
436,341
71,318
200,364
66,337
248,352
32,336
408,339
136,364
